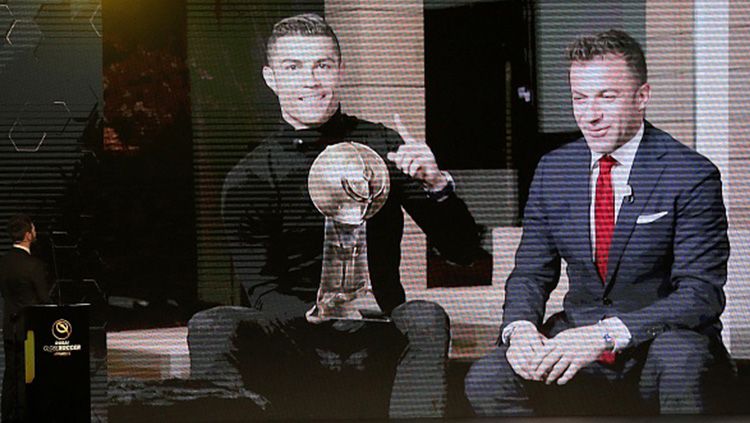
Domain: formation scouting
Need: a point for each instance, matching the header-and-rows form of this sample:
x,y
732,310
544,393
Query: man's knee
x,y
420,316
419,388
690,373
680,351
218,322
210,337
476,383
489,379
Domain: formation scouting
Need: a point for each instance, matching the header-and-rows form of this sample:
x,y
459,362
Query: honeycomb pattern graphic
x,y
27,27
96,21
50,85
26,138
6,21
23,33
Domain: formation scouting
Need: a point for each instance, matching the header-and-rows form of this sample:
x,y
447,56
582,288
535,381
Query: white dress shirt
x,y
22,247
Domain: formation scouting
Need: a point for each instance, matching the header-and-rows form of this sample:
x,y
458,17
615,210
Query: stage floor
x,y
158,354
149,354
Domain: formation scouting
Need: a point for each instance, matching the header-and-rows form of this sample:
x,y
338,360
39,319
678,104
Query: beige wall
x,y
738,180
382,43
669,55
739,113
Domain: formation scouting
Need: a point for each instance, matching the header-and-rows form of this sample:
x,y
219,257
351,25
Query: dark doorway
x,y
481,119
478,78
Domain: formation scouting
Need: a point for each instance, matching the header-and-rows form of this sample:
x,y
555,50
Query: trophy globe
x,y
348,183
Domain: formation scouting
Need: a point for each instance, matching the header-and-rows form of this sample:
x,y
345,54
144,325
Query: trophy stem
x,y
345,275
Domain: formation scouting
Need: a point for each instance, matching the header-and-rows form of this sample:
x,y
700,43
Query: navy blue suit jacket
x,y
664,274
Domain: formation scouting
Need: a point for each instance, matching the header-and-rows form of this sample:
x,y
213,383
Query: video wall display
x,y
329,209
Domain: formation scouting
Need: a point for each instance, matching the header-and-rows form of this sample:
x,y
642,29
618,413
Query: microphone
x,y
629,194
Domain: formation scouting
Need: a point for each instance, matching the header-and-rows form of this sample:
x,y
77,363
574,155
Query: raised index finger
x,y
401,129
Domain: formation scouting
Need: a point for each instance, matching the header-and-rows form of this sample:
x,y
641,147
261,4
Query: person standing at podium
x,y
23,282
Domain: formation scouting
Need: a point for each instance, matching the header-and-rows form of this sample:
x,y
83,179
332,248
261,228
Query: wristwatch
x,y
444,192
609,341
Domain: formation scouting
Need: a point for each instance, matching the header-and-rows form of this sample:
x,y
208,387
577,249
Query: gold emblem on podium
x,y
62,329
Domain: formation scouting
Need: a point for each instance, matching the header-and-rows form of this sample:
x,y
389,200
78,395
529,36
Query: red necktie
x,y
604,209
604,212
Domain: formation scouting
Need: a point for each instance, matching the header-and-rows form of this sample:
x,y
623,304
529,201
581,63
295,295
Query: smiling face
x,y
608,103
304,72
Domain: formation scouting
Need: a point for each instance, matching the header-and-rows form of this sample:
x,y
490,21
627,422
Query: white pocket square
x,y
648,218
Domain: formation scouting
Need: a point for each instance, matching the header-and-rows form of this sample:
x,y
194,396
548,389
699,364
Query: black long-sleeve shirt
x,y
276,233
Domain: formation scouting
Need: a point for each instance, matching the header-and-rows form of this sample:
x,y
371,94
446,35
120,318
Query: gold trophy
x,y
348,183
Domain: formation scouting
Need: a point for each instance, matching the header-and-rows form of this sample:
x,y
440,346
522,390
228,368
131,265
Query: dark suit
x,y
23,282
667,268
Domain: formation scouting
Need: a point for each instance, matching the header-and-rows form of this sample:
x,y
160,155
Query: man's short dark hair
x,y
18,226
612,42
308,24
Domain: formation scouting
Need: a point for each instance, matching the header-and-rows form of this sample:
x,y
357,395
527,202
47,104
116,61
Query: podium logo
x,y
62,329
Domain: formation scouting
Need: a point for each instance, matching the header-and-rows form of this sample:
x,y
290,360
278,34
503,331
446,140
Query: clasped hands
x,y
535,357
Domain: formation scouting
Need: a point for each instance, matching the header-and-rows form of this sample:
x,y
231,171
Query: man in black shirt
x,y
23,282
341,368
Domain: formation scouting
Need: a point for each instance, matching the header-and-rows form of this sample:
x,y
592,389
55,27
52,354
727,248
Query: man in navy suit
x,y
639,219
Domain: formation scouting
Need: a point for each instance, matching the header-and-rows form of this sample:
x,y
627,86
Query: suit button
x,y
606,301
654,331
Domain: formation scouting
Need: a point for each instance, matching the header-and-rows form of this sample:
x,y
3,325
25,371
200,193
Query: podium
x,y
56,349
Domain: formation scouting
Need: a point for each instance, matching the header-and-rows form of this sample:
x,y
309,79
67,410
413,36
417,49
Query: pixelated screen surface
x,y
163,150
484,84
50,111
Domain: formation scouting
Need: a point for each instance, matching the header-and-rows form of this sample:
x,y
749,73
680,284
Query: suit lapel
x,y
580,200
644,177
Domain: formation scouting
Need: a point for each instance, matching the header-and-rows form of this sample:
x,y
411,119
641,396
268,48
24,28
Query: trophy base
x,y
363,315
361,309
